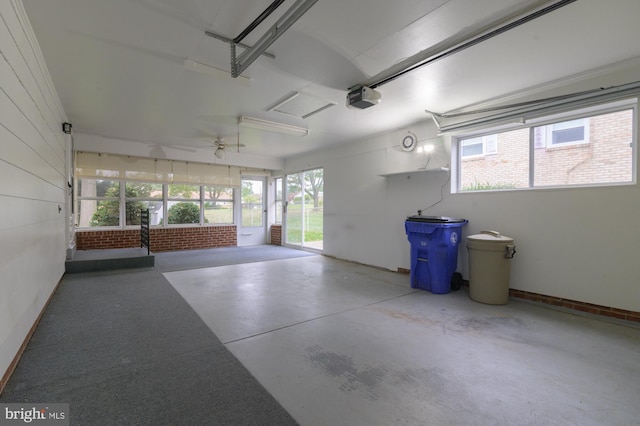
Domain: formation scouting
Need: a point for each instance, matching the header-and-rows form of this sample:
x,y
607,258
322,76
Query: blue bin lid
x,y
434,219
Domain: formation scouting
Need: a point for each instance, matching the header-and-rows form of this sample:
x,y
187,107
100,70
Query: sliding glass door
x,y
304,209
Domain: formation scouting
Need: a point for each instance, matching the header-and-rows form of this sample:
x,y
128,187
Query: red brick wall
x,y
162,239
607,158
509,166
98,240
276,235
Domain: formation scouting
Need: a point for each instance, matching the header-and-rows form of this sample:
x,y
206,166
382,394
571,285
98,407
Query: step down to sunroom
x,y
109,259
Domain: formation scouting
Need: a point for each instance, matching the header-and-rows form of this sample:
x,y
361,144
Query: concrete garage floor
x,y
343,344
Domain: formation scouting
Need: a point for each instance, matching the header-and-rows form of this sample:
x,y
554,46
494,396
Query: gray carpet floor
x,y
206,258
124,348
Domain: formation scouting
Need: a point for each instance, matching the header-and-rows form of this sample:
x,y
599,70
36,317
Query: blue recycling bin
x,y
434,251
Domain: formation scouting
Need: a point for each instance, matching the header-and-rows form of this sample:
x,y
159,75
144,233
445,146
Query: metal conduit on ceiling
x,y
457,46
446,52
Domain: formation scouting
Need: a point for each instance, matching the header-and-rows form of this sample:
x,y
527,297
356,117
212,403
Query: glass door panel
x,y
252,229
304,212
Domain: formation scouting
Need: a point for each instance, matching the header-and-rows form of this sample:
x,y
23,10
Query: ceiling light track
x,y
460,46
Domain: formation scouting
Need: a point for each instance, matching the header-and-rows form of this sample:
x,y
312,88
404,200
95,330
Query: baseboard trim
x,y
577,305
590,308
16,359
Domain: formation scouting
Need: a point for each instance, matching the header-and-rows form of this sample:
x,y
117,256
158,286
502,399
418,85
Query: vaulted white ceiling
x,y
119,65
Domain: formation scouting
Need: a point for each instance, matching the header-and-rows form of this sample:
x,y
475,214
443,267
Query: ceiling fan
x,y
220,146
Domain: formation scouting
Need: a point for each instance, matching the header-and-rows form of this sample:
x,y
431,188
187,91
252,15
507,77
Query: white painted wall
x,y
579,243
32,182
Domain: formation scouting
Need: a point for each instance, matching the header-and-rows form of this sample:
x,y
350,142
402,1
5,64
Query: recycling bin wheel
x,y
456,281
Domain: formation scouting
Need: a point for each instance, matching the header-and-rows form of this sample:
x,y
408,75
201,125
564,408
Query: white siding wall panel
x,y
16,182
32,182
33,211
28,62
23,157
28,131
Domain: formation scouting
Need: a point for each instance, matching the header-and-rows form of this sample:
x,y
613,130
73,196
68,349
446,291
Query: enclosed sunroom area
x,y
260,159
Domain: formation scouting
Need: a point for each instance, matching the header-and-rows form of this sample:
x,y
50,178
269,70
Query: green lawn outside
x,y
219,215
314,223
252,217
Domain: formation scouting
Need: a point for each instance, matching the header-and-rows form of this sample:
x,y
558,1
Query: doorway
x,y
252,230
304,218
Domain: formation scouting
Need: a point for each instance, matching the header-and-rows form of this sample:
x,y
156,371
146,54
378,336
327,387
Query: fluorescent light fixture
x,y
272,126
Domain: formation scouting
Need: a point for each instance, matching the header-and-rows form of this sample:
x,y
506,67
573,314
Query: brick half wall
x,y
276,235
162,239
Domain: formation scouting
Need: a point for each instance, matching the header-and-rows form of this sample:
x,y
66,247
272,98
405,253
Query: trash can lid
x,y
434,219
490,237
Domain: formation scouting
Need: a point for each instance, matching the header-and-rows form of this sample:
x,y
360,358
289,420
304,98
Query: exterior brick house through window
x,y
589,150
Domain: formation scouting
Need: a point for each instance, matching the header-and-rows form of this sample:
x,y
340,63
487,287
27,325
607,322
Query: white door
x,y
253,225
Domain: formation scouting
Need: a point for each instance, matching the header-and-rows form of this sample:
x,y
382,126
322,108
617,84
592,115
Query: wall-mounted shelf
x,y
406,172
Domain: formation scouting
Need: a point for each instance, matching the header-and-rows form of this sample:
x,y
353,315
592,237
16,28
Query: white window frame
x,y
124,199
544,139
278,192
165,200
78,199
489,145
546,123
218,200
168,200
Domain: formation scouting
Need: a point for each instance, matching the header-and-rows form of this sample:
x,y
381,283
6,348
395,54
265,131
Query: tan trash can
x,y
490,267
